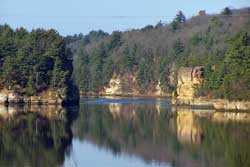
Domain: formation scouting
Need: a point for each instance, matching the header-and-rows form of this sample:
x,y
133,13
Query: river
x,y
111,132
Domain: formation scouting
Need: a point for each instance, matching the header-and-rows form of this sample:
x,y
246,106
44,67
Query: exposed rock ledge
x,y
220,104
53,97
189,80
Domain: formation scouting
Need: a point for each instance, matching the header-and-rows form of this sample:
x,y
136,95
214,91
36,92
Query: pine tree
x,y
227,11
180,17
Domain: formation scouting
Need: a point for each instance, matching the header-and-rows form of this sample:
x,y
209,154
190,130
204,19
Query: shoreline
x,y
199,103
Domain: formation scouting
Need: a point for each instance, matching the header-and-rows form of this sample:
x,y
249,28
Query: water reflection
x,y
123,133
174,137
33,136
188,129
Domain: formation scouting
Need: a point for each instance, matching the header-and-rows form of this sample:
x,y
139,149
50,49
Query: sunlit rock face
x,y
188,130
50,96
118,84
188,81
231,105
114,87
126,85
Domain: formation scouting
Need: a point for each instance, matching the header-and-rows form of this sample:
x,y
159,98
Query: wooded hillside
x,y
152,54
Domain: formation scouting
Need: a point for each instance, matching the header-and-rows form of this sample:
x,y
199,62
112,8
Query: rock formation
x,y
127,85
50,96
189,80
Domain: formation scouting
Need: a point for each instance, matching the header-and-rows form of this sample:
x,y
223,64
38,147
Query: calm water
x,y
123,132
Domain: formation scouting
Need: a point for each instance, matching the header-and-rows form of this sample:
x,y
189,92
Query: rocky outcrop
x,y
189,80
211,114
231,105
48,97
127,85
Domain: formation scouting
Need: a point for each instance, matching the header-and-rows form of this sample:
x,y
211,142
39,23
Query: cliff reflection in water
x,y
33,136
179,137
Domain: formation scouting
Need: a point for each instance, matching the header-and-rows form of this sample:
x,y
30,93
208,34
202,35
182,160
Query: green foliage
x,y
164,75
129,58
145,75
115,40
178,21
230,79
83,75
174,26
32,62
237,62
180,17
178,48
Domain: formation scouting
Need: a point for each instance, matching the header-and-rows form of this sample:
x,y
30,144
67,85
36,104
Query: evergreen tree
x,y
227,11
178,48
180,17
84,75
174,26
116,40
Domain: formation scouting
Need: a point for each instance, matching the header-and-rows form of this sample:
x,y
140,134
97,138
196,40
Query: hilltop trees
x,y
180,17
227,11
178,21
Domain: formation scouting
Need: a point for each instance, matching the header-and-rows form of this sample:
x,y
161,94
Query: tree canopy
x,y
31,62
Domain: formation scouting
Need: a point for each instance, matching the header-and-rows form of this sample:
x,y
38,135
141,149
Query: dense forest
x,y
153,54
31,62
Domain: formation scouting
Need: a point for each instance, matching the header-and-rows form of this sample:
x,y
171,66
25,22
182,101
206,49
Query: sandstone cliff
x,y
189,80
49,96
126,85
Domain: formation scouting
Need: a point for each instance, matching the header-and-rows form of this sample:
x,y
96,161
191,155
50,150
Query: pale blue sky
x,y
75,16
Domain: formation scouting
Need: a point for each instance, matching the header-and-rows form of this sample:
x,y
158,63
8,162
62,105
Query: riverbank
x,y
218,104
47,97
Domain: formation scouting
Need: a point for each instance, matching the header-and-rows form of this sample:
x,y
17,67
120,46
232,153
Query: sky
x,y
81,16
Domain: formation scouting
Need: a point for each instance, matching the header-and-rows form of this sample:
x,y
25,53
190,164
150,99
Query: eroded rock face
x,y
189,80
46,97
127,85
114,86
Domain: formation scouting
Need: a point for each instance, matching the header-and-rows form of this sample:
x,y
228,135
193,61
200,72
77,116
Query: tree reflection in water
x,y
154,133
42,136
31,138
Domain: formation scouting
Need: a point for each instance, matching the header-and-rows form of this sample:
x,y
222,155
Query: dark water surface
x,y
123,132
